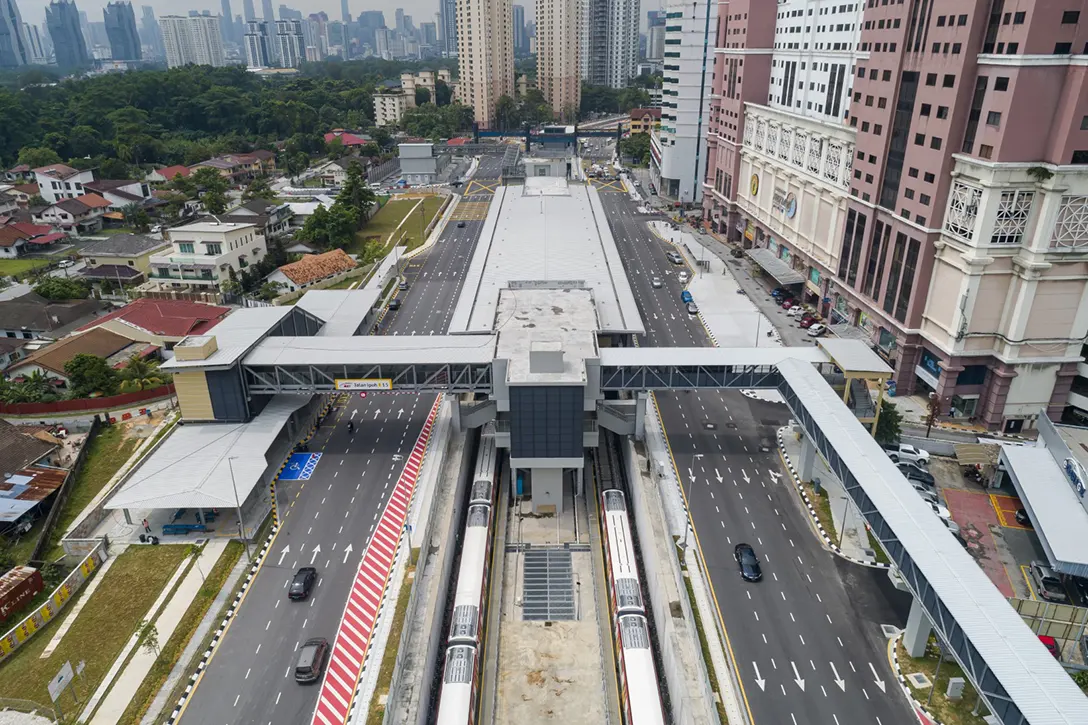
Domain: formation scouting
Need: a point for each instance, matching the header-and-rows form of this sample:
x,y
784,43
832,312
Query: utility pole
x,y
238,507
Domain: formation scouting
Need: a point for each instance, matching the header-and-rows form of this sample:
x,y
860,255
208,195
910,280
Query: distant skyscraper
x,y
345,14
194,41
226,24
315,30
287,13
290,43
257,41
521,42
485,52
447,28
399,16
62,20
121,31
35,48
150,34
13,44
429,32
248,13
266,9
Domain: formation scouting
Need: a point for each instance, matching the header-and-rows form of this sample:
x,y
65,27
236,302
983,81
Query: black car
x,y
916,473
460,225
395,304
303,583
748,563
1022,518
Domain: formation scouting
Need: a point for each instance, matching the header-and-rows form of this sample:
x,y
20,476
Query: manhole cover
x,y
918,680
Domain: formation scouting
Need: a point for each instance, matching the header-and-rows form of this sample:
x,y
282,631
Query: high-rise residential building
x,y
287,13
290,43
381,44
398,16
121,30
592,42
150,34
35,47
258,44
447,28
193,41
429,33
69,45
622,42
266,11
248,12
315,31
485,47
678,147
520,41
13,42
558,55
345,13
226,22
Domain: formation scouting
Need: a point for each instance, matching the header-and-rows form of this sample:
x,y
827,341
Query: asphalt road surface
x,y
250,678
806,639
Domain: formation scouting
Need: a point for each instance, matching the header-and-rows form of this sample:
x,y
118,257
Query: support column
x,y
917,632
455,412
547,490
640,416
808,459
578,481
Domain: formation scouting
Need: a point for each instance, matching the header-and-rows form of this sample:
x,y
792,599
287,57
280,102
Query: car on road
x,y
1046,583
1022,518
65,263
797,311
748,562
460,225
817,330
913,472
303,583
312,658
674,257
693,309
807,321
683,277
656,283
686,297
395,304
403,285
903,453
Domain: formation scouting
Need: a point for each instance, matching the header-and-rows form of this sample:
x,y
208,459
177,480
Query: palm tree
x,y
39,387
140,374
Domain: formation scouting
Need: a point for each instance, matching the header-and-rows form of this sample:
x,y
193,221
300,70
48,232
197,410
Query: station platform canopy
x,y
774,266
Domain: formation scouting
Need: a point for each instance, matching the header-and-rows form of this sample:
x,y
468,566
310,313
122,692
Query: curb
x,y
894,650
812,511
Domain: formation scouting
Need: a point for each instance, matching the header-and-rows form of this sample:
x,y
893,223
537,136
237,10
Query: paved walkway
x,y
116,701
975,514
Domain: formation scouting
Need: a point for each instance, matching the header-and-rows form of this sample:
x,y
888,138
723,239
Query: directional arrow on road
x,y
744,475
775,475
347,552
317,550
400,413
286,550
718,476
691,475
797,677
759,680
353,412
377,412
879,682
838,680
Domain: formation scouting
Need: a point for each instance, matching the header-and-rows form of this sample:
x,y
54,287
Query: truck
x,y
901,452
17,588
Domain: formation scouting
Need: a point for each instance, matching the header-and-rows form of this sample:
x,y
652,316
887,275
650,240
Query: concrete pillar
x,y
917,632
128,516
640,416
455,412
578,481
547,490
808,458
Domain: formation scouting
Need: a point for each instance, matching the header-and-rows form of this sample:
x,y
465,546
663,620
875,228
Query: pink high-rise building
x,y
939,210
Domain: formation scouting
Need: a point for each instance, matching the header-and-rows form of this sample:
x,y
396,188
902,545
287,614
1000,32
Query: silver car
x,y
656,283
693,309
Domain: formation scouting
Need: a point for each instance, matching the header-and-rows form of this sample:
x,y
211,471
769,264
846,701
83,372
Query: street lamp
x,y
238,507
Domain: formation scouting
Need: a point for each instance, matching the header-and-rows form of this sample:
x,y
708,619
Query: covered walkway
x,y
772,265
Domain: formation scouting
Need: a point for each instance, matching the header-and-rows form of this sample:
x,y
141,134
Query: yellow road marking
x,y
1027,580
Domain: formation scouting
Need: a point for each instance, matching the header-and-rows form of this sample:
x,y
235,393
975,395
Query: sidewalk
x,y
124,687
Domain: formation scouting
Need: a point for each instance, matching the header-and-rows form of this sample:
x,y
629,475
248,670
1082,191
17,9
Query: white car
x,y
65,263
903,453
817,330
656,283
796,311
941,511
683,277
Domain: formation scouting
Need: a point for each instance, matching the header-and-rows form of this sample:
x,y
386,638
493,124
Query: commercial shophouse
x,y
943,219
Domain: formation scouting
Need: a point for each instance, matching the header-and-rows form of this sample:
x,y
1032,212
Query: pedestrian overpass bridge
x,y
589,379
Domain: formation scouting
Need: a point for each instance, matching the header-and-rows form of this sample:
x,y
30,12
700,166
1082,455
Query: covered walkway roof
x,y
774,266
199,464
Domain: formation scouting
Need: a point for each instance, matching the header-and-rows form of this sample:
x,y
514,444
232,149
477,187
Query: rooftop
x,y
546,335
342,311
122,245
18,449
26,488
169,318
98,342
235,336
209,227
546,234
35,313
56,171
313,267
854,358
374,350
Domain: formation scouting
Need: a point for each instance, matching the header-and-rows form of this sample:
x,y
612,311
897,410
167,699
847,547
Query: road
x,y
250,677
807,638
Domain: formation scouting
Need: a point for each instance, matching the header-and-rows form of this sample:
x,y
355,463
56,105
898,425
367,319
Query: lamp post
x,y
238,507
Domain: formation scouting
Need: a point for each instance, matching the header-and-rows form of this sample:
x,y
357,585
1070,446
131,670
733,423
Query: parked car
x,y
808,321
929,496
1022,518
746,559
693,309
913,472
941,511
683,277
303,583
781,292
394,305
674,257
312,657
1047,584
817,330
953,527
685,297
797,311
1052,647
788,303
901,452
403,285
656,283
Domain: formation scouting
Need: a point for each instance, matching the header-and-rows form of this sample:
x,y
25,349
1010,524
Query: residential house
x,y
120,193
270,218
303,210
350,140
167,174
81,215
11,350
333,173
160,322
121,258
19,174
21,192
32,316
102,343
206,254
20,450
58,181
645,120
266,158
312,269
240,168
18,238
8,203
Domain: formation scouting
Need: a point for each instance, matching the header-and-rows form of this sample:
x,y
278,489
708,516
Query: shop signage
x,y
928,369
754,187
750,232
1075,473
791,206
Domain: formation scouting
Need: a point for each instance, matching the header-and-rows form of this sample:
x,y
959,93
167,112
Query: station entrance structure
x,y
546,396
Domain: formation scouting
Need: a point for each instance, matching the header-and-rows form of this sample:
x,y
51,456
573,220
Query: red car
x,y
808,321
786,304
1051,645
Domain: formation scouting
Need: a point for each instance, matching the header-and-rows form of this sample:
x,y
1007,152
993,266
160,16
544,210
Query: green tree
x,y
85,141
141,374
148,635
209,179
136,217
443,94
269,291
422,96
335,148
355,193
258,189
36,157
294,164
62,288
230,286
889,425
89,375
341,224
38,387
636,147
507,113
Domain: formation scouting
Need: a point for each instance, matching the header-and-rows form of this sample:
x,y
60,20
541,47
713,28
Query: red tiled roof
x,y
30,188
457,141
48,238
313,267
348,139
170,172
169,318
640,113
32,230
93,201
19,169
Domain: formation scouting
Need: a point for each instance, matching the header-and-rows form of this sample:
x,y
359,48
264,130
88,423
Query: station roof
x,y
342,311
853,357
555,322
708,356
374,350
234,336
193,467
546,233
1038,685
774,266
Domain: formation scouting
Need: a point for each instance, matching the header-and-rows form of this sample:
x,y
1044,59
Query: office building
x,y
249,14
315,31
226,22
428,33
120,23
35,46
558,55
195,41
485,47
678,147
655,41
448,27
398,16
13,42
63,22
521,42
345,14
266,11
150,34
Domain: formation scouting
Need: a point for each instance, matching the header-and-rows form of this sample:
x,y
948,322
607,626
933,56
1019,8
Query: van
x,y
311,660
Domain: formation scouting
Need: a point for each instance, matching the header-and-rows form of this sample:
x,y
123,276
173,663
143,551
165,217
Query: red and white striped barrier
x,y
352,641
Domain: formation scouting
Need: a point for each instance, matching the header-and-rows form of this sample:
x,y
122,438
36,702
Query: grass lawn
x,y
822,505
947,711
346,283
19,267
96,637
108,453
171,651
389,657
416,217
113,230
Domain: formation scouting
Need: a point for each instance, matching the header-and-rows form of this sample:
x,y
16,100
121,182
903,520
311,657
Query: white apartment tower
x,y
621,50
290,44
678,149
192,40
558,55
485,46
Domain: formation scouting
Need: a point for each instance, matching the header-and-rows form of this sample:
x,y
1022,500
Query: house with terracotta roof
x,y
21,192
167,174
50,360
58,181
82,215
241,167
120,192
311,269
18,238
160,322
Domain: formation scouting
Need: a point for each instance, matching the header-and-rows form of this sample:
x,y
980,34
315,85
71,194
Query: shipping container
x,y
17,588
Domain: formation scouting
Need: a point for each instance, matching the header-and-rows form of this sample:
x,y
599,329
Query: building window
x,y
1001,83
185,247
912,172
1018,18
963,204
1013,48
924,199
1070,17
925,109
919,139
928,178
935,143
993,118
931,79
1084,123
919,219
1013,211
1071,228
1063,48
949,80
985,151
